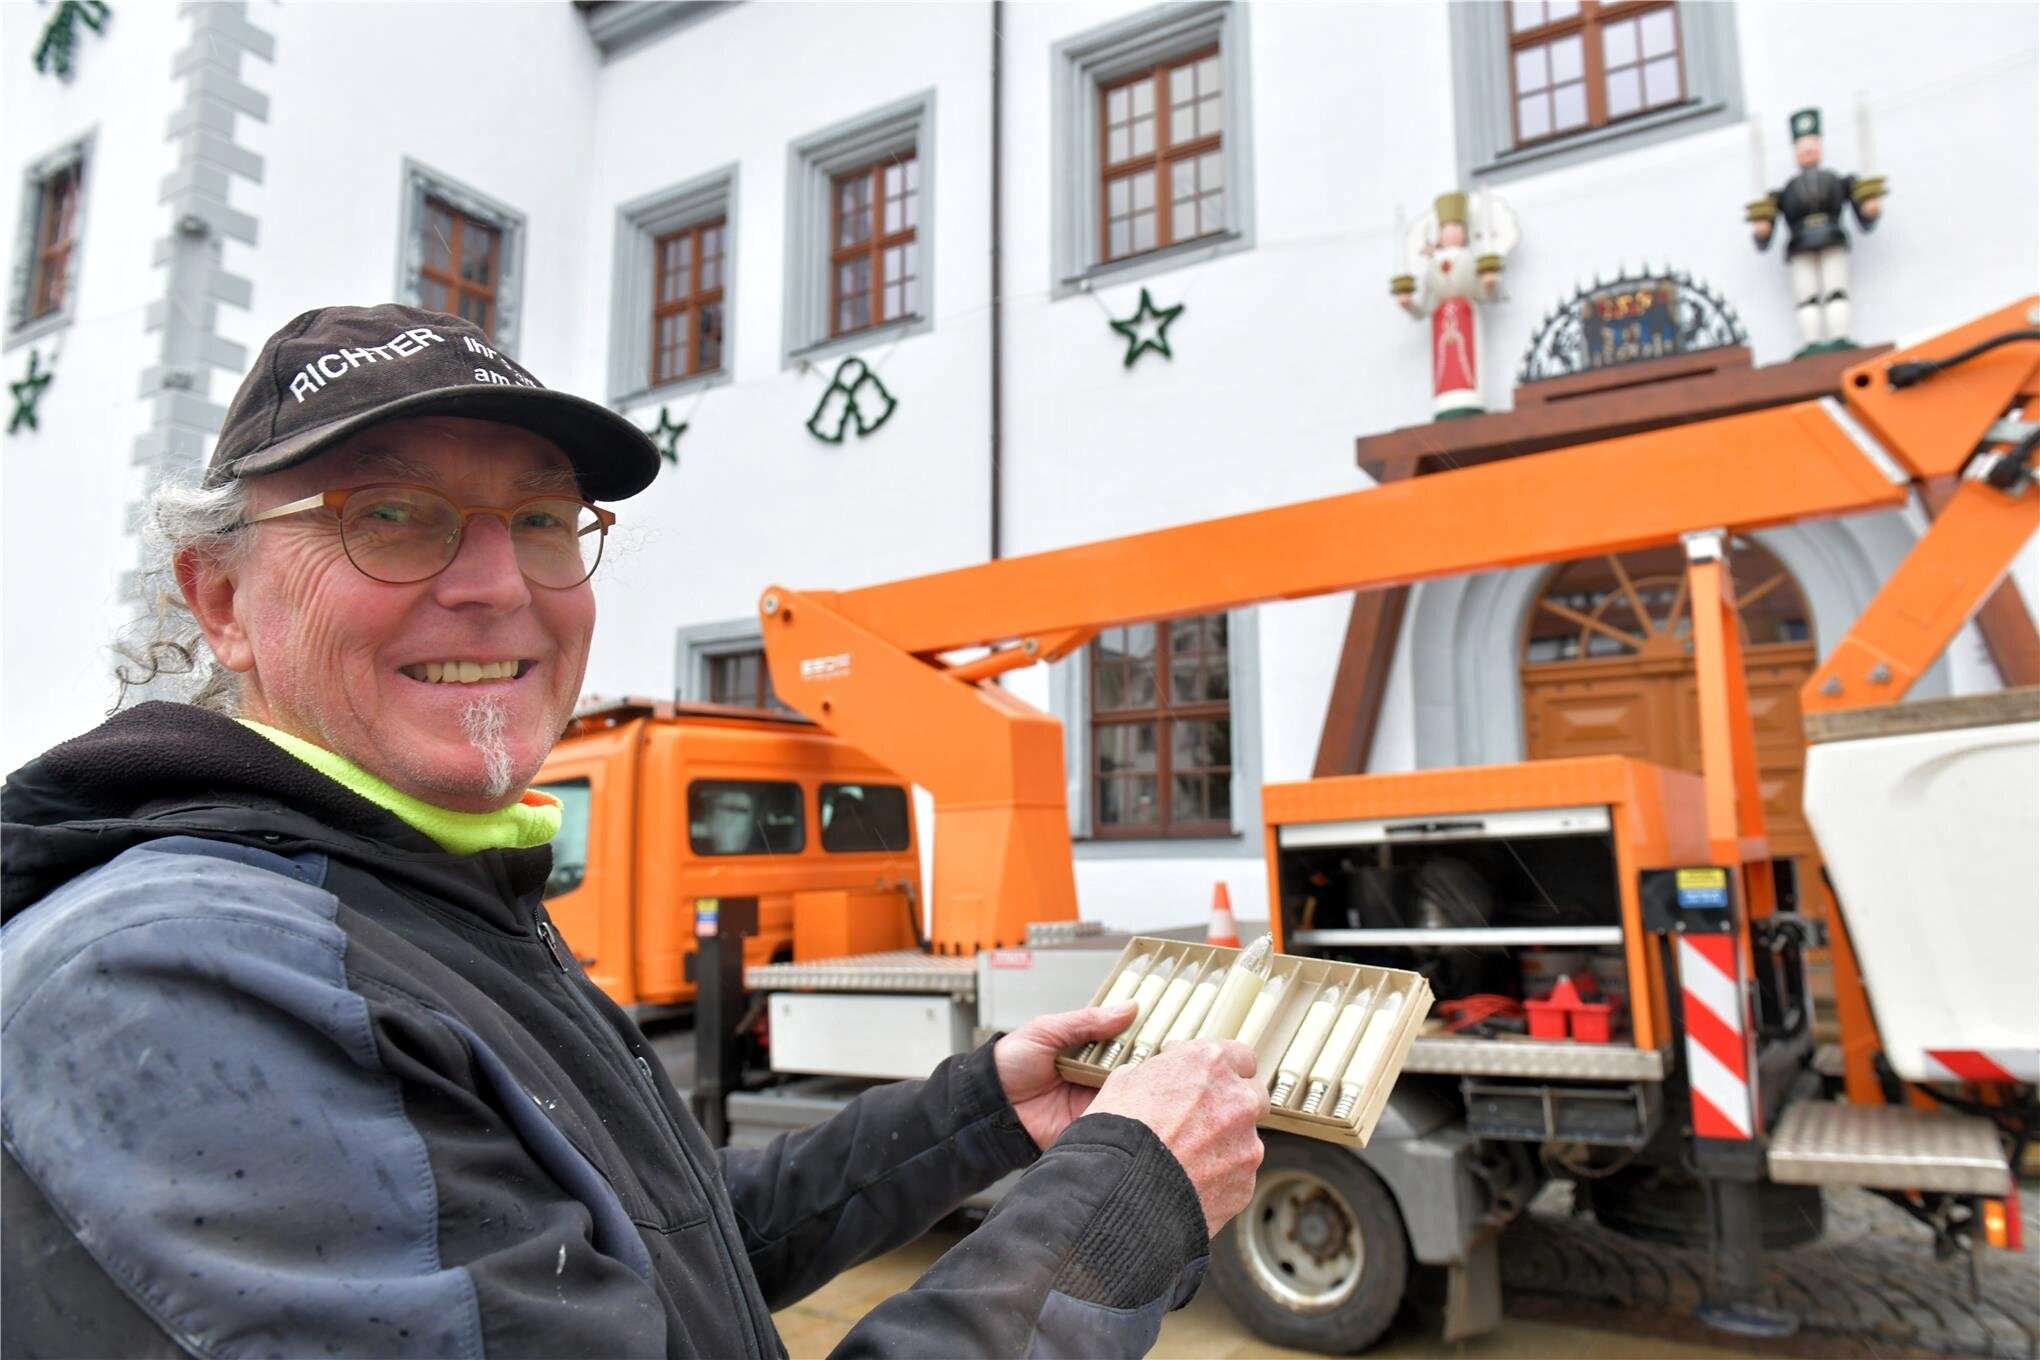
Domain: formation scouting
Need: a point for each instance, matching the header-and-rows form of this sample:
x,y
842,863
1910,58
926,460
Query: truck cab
x,y
666,807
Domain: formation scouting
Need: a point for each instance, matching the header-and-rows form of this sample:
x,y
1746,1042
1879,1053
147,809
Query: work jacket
x,y
282,1077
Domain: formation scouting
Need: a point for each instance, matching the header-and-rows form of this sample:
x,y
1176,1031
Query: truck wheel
x,y
1319,1258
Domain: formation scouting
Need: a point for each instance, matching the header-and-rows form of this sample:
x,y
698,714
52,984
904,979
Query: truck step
x,y
1887,1147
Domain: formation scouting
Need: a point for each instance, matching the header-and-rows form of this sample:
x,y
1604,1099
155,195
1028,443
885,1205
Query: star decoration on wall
x,y
667,436
1148,329
27,393
60,35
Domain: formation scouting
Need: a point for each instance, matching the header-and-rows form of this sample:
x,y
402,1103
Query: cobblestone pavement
x,y
1869,1287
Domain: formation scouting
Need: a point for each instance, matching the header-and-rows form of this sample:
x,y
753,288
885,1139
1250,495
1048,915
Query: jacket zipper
x,y
679,1145
552,945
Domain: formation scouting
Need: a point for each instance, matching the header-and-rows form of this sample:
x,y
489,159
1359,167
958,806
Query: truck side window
x,y
570,846
744,817
864,817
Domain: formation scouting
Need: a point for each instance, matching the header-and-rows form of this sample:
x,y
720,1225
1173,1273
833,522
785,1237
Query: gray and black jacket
x,y
281,1077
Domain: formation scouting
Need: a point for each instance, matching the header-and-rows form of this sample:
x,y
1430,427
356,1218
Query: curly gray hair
x,y
164,651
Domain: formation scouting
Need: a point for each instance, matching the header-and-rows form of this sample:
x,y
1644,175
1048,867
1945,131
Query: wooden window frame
x,y
449,278
690,301
1592,16
873,247
1164,716
50,267
1160,161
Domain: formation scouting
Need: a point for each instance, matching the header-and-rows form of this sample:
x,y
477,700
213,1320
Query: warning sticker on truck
x,y
1703,888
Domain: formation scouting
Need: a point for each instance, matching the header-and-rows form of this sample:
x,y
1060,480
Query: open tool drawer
x,y
1303,981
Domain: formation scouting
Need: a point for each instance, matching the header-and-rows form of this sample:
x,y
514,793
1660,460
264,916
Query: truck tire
x,y
1319,1258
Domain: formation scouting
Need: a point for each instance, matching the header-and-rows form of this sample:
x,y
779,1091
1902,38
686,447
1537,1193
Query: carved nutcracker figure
x,y
1814,203
1446,262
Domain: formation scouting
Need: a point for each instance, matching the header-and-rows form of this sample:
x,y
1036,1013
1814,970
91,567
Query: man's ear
x,y
208,589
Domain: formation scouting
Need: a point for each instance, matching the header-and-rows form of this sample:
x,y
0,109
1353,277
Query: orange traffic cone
x,y
1224,930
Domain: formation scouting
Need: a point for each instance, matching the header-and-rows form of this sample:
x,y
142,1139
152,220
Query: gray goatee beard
x,y
485,723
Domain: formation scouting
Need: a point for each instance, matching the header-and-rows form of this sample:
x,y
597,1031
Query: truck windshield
x,y
570,846
744,817
863,817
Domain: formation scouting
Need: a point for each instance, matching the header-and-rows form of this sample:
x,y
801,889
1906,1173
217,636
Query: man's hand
x,y
1761,229
1026,1058
1202,1101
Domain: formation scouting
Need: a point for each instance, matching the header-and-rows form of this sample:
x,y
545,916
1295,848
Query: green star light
x,y
667,436
27,393
1148,329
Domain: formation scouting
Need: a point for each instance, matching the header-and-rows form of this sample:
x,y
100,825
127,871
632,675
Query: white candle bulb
x,y
1256,1023
1156,1027
1758,188
1118,994
1372,1056
1195,1009
1398,263
1303,1049
1338,1050
1144,997
1244,983
1866,157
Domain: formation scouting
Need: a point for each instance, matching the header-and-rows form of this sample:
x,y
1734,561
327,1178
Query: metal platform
x,y
1560,1060
898,970
1888,1147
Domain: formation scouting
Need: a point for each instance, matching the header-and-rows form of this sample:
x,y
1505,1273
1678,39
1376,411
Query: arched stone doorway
x,y
1606,668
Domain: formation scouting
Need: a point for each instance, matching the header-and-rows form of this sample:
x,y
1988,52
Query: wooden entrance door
x,y
1607,669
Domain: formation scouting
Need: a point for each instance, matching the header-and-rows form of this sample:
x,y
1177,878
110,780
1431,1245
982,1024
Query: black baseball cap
x,y
338,370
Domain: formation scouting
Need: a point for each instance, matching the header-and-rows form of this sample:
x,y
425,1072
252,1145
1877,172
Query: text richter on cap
x,y
316,374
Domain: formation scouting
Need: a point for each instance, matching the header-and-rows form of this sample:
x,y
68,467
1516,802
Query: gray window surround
x,y
1069,700
420,183
696,644
38,172
639,224
811,165
1078,66
1481,93
618,30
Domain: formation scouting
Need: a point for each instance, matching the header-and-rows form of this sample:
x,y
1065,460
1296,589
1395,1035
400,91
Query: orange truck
x,y
1712,1118
668,806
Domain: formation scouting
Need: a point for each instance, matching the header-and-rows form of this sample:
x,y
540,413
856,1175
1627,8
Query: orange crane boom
x,y
869,664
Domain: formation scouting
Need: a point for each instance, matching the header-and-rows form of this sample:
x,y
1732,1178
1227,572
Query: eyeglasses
x,y
401,534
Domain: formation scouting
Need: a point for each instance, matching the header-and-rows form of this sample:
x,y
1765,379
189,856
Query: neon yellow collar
x,y
534,820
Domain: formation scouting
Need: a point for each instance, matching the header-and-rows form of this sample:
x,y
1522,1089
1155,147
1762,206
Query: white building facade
x,y
793,186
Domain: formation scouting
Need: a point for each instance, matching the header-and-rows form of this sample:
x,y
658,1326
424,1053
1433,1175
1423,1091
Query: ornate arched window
x,y
1634,605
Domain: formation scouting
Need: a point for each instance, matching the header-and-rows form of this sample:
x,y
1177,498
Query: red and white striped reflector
x,y
2012,1066
1717,1046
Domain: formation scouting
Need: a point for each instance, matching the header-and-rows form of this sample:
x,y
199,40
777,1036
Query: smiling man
x,y
292,1063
